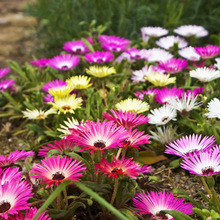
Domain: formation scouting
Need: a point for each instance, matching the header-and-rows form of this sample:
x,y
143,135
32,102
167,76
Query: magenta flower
x,y
114,43
48,98
77,47
134,53
10,174
173,65
13,197
4,72
205,163
165,94
98,135
29,214
208,52
14,157
183,146
54,84
121,167
40,63
126,119
61,146
6,84
136,138
195,92
99,57
57,170
152,203
140,95
64,62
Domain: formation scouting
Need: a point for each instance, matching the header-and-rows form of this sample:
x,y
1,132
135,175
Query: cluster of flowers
x,y
5,83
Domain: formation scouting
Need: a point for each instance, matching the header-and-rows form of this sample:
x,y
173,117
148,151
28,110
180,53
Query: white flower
x,y
205,74
123,56
169,41
162,115
191,30
187,102
153,31
156,54
214,109
189,53
37,114
217,65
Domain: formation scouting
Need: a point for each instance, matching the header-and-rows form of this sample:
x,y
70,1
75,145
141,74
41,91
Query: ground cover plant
x,y
99,115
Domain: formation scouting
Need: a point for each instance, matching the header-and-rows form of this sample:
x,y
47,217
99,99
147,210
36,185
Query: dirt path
x,y
16,41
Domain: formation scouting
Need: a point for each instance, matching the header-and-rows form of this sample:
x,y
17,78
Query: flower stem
x,y
115,190
206,187
65,196
215,196
215,133
118,153
59,201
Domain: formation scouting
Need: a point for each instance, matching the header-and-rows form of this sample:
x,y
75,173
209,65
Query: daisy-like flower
x,y
10,174
160,79
152,92
114,43
152,203
98,135
213,108
208,52
37,114
121,167
163,134
202,163
64,62
77,47
126,119
205,74
173,65
156,55
61,91
79,82
135,138
6,84
60,146
48,98
100,71
54,84
217,64
14,157
169,41
162,115
134,53
13,198
29,214
195,92
187,144
99,57
154,31
123,56
191,30
67,103
64,129
189,53
57,170
165,94
185,103
40,63
4,72
132,105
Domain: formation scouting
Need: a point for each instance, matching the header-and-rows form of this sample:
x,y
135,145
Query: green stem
x,y
65,196
206,187
215,133
115,191
59,201
215,196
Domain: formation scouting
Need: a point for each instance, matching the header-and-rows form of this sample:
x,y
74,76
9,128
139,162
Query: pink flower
x,y
6,84
196,91
57,170
99,57
98,136
121,167
134,53
208,52
152,203
48,98
4,72
64,62
76,47
173,65
54,84
40,63
140,95
126,119
10,174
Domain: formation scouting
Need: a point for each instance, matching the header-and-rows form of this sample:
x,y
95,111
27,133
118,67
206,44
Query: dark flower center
x,y
66,107
164,119
58,176
4,206
116,171
65,67
160,217
99,60
137,56
100,144
207,171
78,50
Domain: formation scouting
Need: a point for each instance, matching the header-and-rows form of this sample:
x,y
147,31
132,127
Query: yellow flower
x,y
67,103
159,79
37,114
79,82
132,105
62,91
100,71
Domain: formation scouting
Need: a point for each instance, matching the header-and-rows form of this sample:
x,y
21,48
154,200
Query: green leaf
x,y
52,152
129,214
90,47
10,98
13,65
34,127
177,215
